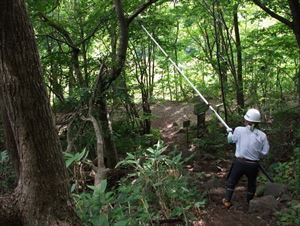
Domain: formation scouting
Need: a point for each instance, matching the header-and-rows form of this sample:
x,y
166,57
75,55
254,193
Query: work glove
x,y
229,130
229,135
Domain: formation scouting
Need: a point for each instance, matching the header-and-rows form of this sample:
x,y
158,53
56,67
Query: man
x,y
251,145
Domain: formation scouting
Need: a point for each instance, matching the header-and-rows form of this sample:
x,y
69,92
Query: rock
x,y
266,204
275,189
175,124
213,183
181,130
286,198
260,190
207,156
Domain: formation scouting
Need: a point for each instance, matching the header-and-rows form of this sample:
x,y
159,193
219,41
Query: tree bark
x,y
117,64
42,195
239,85
110,151
295,10
219,52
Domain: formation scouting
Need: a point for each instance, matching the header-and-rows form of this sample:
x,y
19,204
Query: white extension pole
x,y
186,78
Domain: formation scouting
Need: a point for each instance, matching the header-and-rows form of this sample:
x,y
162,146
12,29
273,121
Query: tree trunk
x,y
57,88
240,87
220,65
101,169
76,67
42,195
110,151
295,10
146,113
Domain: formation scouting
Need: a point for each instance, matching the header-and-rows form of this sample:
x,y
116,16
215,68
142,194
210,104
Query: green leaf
x,y
92,187
103,186
121,223
73,187
100,221
3,156
74,158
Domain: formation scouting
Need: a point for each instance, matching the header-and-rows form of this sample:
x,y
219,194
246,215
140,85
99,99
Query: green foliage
x,y
93,206
283,172
68,105
3,157
77,164
297,170
155,189
73,158
289,216
128,137
288,172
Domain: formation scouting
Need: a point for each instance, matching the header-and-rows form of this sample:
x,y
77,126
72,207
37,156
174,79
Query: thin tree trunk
x,y
240,86
110,151
221,71
101,169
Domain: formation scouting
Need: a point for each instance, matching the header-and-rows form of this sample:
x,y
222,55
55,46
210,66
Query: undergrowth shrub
x,y
128,138
297,170
78,165
156,189
289,173
68,105
290,216
283,172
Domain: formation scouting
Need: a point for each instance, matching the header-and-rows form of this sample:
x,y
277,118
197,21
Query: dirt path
x,y
169,118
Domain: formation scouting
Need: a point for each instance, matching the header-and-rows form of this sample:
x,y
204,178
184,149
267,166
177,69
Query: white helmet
x,y
252,115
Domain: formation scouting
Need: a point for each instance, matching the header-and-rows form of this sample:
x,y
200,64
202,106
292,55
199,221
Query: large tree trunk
x,y
42,195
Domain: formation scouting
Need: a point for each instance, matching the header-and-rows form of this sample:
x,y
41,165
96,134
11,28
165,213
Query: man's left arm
x,y
266,146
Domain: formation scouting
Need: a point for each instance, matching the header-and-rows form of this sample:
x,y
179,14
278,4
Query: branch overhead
x,y
273,14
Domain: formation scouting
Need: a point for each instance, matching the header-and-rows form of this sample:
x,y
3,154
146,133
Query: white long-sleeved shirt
x,y
251,145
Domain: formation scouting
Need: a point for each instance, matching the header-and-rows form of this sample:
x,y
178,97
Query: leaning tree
x,y
42,195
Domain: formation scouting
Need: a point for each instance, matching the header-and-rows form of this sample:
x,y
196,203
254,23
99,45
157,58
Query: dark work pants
x,y
238,169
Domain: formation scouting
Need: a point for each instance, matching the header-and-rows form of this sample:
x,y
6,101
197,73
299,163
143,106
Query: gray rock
x,y
213,183
266,204
260,190
286,198
275,189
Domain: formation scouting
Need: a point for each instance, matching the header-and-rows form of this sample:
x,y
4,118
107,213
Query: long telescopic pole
x,y
186,78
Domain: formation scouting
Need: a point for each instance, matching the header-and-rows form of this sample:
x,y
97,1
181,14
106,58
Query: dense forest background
x,y
114,95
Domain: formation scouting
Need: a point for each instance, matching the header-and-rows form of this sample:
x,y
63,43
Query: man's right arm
x,y
229,136
233,137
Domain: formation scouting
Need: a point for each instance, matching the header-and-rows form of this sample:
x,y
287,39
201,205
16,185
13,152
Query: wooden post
x,y
200,109
186,124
